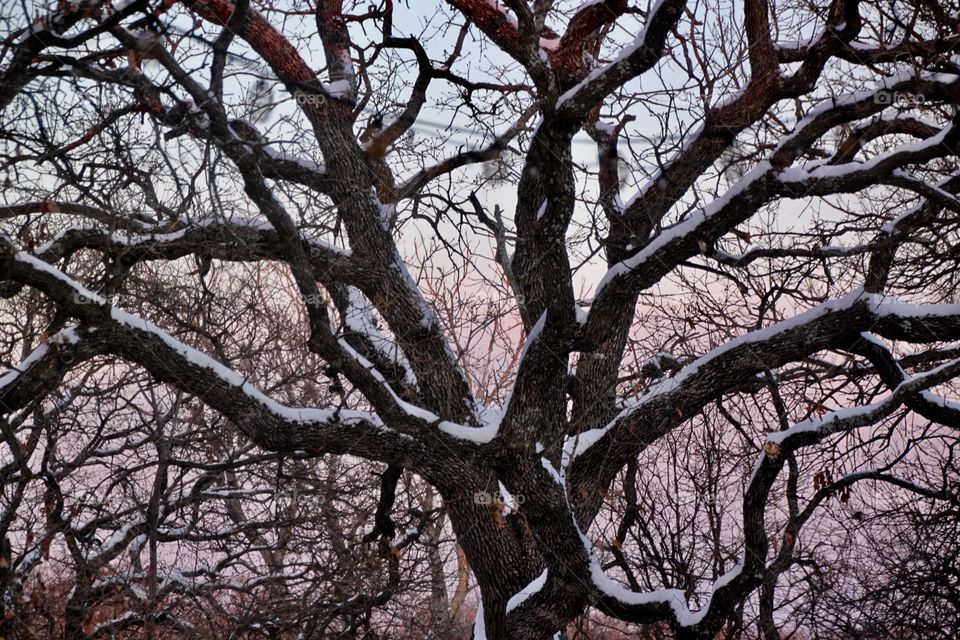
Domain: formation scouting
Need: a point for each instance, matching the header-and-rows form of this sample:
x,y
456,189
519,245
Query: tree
x,y
642,367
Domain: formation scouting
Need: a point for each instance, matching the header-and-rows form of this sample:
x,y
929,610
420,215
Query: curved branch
x,y
763,183
265,421
737,583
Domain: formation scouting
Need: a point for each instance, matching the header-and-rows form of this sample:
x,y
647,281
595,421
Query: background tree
x,y
320,316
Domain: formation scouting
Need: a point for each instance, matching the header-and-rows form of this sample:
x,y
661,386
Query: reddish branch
x,y
263,37
581,35
568,58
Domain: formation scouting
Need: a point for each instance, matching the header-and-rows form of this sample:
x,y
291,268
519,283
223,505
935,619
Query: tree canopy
x,y
479,318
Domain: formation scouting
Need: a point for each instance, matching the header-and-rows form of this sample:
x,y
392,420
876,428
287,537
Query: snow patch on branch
x,y
532,337
674,598
117,539
828,423
232,378
359,319
10,376
542,210
509,502
682,229
527,592
577,444
479,627
886,83
554,474
40,265
66,336
639,42
820,171
887,307
199,359
304,163
412,410
477,435
341,89
499,6
428,319
582,442
851,417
